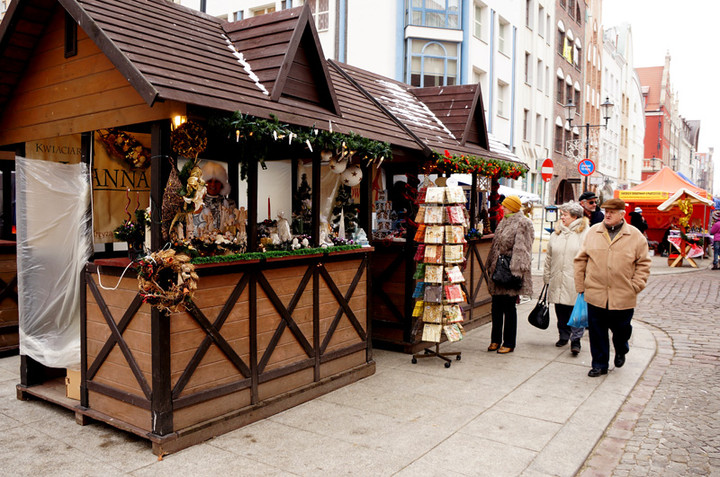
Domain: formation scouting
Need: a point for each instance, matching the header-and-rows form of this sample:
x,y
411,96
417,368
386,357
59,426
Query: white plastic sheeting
x,y
53,245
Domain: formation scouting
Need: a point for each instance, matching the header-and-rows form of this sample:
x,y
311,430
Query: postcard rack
x,y
442,223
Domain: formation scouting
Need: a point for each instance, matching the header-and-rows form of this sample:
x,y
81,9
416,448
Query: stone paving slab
x,y
531,412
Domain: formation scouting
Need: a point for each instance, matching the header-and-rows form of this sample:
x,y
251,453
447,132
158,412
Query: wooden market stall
x,y
462,131
261,334
87,79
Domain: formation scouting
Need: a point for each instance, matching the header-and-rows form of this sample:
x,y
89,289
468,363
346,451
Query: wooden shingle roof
x,y
271,64
460,108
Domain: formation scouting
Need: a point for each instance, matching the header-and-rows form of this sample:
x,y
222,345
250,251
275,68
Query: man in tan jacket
x,y
611,268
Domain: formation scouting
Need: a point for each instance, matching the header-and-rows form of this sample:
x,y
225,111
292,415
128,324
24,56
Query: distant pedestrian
x,y
715,232
513,237
589,202
611,268
559,270
638,221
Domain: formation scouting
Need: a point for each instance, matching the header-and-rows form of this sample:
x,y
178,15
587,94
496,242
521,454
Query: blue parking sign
x,y
586,167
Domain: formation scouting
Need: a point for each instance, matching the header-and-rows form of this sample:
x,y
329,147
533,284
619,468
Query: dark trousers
x,y
565,332
504,312
600,320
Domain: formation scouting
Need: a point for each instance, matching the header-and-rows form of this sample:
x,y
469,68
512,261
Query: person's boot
x,y
575,347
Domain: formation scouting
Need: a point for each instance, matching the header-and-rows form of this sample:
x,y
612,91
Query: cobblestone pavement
x,y
670,422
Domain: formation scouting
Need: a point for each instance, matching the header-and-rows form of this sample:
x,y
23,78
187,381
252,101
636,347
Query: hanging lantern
x,y
338,166
352,176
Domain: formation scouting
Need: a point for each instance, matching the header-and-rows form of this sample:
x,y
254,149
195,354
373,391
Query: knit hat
x,y
513,203
638,210
214,170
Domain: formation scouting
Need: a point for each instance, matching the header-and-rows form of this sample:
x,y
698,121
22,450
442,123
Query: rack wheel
x,y
447,364
457,357
414,360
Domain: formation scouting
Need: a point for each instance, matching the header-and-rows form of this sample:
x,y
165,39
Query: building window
x,y
502,108
480,21
560,89
526,125
577,13
528,68
321,13
503,36
559,139
560,42
238,15
569,96
264,10
563,3
538,130
577,57
539,75
528,14
571,8
71,44
548,88
435,13
433,63
541,21
577,97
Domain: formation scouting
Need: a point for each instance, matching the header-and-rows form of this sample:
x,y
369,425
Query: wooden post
x,y
161,399
316,193
252,210
160,139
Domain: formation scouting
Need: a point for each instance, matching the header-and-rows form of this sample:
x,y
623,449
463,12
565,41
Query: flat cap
x,y
587,195
613,204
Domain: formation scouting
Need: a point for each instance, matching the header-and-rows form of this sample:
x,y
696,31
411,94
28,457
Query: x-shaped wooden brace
x,y
116,332
343,301
8,289
287,319
213,336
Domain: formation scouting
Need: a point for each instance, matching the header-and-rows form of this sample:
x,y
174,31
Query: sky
x,y
689,30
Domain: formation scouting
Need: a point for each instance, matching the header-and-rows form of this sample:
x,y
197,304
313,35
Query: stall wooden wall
x,y
59,96
306,323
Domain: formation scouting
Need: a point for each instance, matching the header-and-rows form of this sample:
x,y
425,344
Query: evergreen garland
x,y
237,257
253,137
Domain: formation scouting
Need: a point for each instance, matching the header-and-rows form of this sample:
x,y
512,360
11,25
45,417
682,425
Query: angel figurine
x,y
283,228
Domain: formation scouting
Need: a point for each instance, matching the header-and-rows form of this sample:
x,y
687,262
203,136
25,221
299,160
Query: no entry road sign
x,y
546,171
586,167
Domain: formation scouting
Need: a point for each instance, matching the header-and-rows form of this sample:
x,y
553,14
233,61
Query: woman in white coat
x,y
559,271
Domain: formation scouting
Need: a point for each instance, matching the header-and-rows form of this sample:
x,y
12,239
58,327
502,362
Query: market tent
x,y
658,188
654,191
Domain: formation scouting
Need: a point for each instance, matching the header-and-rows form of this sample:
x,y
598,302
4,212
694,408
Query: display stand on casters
x,y
429,353
442,222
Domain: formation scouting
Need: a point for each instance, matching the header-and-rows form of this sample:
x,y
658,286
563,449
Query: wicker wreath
x,y
188,140
167,280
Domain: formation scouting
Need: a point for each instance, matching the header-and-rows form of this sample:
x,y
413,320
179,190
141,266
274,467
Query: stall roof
x,y
267,64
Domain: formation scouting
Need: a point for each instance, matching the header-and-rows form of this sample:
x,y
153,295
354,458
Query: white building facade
x,y
507,46
622,143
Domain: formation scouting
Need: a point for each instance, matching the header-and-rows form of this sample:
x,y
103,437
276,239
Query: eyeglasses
x,y
592,202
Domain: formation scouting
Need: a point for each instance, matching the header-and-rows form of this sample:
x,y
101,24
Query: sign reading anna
x,y
114,183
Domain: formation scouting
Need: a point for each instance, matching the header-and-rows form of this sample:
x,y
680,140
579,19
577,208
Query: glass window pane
x,y
434,20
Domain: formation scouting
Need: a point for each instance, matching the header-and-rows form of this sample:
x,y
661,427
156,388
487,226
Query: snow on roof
x,y
245,65
409,109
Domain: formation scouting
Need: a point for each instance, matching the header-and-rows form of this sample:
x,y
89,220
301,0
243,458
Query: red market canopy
x,y
658,188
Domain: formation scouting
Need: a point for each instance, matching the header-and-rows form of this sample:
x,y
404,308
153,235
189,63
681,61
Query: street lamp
x,y
674,162
570,110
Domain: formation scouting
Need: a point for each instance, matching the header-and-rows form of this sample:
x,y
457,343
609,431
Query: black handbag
x,y
502,276
539,317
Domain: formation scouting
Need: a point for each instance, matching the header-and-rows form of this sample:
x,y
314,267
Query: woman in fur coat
x,y
559,270
513,237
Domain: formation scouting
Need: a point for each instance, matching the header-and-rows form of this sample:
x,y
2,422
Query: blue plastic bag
x,y
579,317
